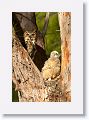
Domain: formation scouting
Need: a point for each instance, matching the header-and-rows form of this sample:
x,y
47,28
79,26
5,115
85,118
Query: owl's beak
x,y
33,42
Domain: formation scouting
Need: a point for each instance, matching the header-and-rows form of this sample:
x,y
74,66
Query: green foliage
x,y
52,37
40,19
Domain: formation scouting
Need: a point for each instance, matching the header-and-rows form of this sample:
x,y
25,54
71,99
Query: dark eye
x,y
56,53
33,34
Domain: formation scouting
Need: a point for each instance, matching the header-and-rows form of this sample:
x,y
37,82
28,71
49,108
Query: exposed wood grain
x,y
65,31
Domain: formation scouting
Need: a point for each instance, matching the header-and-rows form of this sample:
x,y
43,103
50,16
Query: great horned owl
x,y
51,67
30,40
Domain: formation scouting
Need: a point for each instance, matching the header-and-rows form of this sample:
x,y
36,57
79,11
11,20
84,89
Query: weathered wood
x,y
65,32
25,75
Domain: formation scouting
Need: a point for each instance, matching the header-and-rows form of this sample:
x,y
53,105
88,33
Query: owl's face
x,y
54,54
30,37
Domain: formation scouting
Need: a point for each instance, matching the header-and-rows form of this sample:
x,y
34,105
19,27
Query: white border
x,y
6,104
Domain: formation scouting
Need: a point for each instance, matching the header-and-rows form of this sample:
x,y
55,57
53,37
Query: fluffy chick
x,y
51,67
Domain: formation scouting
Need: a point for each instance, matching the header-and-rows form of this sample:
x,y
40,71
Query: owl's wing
x,y
25,74
46,65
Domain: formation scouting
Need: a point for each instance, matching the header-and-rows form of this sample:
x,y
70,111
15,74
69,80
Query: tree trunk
x,y
26,21
25,75
65,32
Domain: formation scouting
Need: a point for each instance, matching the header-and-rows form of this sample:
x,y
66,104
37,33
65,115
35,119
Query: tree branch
x,y
65,32
45,24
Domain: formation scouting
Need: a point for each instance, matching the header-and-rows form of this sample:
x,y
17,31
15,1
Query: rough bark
x,y
65,32
26,21
28,79
25,75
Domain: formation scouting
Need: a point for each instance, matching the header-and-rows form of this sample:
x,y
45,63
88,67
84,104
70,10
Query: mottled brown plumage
x,y
30,41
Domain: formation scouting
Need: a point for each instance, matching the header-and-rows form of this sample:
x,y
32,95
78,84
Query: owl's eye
x,y
56,53
33,33
27,34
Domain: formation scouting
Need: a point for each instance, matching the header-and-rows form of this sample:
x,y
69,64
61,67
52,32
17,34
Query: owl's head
x,y
31,37
54,54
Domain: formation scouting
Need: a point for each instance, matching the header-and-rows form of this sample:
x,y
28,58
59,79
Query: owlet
x,y
51,67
